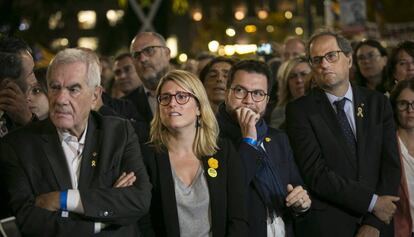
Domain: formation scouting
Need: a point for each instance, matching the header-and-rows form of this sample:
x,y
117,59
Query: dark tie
x,y
346,128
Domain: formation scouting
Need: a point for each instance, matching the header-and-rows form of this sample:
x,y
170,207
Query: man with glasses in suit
x,y
151,58
344,141
274,195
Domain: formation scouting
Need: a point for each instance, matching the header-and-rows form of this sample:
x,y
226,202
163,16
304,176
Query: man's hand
x,y
385,207
13,101
125,180
49,201
298,198
247,119
367,231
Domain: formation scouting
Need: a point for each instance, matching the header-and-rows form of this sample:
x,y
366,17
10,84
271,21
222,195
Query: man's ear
x,y
97,102
168,52
350,61
97,93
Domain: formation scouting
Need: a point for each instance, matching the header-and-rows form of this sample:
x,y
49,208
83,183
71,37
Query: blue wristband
x,y
250,141
63,200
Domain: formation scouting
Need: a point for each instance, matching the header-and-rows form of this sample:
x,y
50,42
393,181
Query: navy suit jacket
x,y
33,163
342,186
278,149
227,196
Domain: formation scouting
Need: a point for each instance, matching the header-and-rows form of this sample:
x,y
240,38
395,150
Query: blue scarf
x,y
268,182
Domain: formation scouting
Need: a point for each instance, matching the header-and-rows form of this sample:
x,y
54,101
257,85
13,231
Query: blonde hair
x,y
205,142
284,94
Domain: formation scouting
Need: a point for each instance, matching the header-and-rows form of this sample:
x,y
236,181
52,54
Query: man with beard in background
x,y
151,58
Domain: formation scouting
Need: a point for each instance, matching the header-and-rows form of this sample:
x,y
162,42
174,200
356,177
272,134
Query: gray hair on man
x,y
342,42
86,56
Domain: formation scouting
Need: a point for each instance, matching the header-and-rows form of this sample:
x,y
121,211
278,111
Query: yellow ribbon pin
x,y
93,163
213,163
267,139
212,172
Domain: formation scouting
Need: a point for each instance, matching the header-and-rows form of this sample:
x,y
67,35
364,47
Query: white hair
x,y
73,55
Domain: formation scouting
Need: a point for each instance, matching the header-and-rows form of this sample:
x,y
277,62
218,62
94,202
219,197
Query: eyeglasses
x,y
331,57
403,105
241,93
294,75
180,97
147,51
368,56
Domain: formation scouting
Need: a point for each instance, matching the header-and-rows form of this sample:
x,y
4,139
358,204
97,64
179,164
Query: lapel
x,y
217,191
361,121
55,155
330,119
169,203
90,154
143,104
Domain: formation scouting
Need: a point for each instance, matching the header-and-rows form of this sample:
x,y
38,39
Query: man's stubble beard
x,y
151,82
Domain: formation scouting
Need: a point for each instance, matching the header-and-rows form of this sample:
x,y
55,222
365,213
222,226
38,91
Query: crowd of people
x,y
318,141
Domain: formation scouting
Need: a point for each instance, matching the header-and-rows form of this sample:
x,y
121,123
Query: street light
x,y
197,15
299,30
288,15
262,14
240,13
213,46
230,32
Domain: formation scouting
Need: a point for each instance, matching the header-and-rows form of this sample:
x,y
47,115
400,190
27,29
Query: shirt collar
x,y
148,92
64,134
348,95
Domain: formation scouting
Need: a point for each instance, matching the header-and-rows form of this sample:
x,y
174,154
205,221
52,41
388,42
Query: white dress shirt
x,y
73,150
348,107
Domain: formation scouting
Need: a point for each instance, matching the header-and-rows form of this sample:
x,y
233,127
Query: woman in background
x,y
402,100
197,179
292,77
371,58
400,65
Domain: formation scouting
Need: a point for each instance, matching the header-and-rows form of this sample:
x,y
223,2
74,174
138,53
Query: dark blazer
x,y
125,109
5,210
140,101
278,148
342,186
33,163
228,216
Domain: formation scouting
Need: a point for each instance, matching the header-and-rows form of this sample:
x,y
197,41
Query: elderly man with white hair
x,y
67,175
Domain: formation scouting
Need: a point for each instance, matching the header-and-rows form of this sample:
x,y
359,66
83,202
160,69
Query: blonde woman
x,y
197,180
293,77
